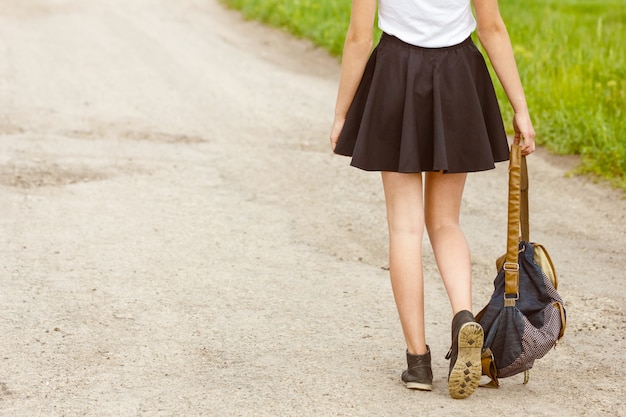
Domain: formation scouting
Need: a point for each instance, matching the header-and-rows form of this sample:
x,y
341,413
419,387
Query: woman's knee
x,y
408,228
436,225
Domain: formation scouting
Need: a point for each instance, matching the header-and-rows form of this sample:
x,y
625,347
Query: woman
x,y
422,110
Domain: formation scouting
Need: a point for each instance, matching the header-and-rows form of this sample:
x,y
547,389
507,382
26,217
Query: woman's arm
x,y
495,39
356,51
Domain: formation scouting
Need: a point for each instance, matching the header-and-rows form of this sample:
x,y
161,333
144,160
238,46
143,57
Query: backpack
x,y
525,317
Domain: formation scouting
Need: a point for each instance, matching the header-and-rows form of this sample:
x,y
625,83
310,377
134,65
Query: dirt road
x,y
177,240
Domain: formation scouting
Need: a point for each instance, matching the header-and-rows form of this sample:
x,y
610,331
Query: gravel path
x,y
177,240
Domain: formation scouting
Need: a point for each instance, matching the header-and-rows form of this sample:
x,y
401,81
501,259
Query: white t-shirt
x,y
427,23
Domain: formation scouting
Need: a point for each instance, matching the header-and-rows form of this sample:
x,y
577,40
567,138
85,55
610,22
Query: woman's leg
x,y
443,193
405,218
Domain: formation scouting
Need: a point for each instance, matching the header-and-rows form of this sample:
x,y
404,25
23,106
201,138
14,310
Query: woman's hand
x,y
336,131
524,132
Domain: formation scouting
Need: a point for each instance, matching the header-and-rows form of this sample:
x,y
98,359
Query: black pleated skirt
x,y
424,109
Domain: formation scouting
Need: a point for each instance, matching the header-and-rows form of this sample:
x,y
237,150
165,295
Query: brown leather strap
x,y
524,221
489,369
511,267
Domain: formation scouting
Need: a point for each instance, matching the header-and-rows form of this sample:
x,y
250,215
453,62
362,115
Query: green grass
x,y
572,60
323,21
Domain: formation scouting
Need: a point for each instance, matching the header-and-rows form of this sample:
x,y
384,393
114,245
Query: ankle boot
x,y
465,364
419,374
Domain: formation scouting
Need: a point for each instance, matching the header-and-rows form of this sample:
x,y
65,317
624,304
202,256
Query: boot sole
x,y
467,370
419,386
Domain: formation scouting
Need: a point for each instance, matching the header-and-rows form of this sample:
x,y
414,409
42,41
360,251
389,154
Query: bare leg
x,y
443,193
405,218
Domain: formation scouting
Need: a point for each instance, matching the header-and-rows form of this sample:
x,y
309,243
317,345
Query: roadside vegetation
x,y
571,56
